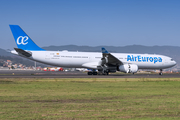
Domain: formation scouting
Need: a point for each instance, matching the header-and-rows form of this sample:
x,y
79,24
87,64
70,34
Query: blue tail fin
x,y
23,41
104,50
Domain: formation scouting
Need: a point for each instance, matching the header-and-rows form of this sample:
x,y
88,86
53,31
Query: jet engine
x,y
128,68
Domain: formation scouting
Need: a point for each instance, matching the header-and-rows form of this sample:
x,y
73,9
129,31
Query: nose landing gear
x,y
160,72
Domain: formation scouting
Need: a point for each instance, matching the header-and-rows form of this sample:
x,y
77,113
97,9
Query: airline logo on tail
x,y
22,40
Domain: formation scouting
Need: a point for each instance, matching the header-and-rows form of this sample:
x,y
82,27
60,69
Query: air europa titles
x,y
140,58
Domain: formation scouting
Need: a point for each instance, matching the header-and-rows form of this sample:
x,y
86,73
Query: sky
x,y
92,22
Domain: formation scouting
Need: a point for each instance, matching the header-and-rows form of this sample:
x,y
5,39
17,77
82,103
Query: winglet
x,y
104,50
23,41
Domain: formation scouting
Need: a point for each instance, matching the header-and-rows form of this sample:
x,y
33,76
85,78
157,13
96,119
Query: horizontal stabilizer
x,y
23,52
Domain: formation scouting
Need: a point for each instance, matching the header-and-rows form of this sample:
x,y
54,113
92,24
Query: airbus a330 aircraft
x,y
104,62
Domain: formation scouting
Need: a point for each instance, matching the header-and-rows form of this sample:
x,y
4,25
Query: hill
x,y
4,53
166,50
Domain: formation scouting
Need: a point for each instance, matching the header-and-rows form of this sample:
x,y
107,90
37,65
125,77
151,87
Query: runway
x,y
75,74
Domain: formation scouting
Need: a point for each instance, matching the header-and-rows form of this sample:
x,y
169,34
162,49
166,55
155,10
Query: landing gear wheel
x,y
106,73
90,73
94,73
160,72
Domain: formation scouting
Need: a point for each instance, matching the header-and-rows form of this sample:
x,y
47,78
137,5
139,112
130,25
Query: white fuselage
x,y
92,59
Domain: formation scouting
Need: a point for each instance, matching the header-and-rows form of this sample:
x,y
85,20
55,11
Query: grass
x,y
90,98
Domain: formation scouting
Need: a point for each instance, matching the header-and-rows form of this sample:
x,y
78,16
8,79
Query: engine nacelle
x,y
128,68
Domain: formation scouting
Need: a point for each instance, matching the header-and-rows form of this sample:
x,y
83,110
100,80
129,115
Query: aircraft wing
x,y
109,59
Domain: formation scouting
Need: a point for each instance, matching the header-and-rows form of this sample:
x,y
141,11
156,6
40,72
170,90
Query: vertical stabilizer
x,y
23,41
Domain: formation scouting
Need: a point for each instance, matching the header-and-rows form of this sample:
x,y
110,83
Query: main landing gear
x,y
93,72
160,72
104,72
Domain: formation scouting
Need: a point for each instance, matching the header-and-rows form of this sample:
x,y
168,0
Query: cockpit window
x,y
172,60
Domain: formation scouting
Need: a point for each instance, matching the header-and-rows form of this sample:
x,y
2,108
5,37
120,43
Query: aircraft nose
x,y
173,63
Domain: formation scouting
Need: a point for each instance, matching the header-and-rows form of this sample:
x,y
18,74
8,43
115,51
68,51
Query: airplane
x,y
104,62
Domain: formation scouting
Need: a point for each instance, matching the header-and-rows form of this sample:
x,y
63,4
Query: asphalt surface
x,y
74,74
